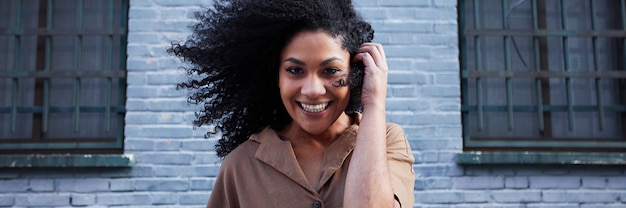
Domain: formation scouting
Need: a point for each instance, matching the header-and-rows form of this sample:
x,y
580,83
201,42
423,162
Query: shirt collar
x,y
279,154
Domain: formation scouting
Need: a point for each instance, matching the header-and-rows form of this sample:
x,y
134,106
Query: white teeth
x,y
314,108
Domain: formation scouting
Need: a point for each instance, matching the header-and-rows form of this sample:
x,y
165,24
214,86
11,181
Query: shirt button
x,y
317,204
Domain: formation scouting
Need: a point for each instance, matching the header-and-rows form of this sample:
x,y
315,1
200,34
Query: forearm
x,y
368,182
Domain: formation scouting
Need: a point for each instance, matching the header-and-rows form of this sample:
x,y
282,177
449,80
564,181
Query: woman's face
x,y
311,67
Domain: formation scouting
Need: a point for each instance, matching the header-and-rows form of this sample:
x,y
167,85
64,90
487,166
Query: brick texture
x,y
176,166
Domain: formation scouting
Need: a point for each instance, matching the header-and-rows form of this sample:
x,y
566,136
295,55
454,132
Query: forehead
x,y
314,41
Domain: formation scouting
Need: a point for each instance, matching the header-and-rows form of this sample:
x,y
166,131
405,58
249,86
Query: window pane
x,y
79,48
551,79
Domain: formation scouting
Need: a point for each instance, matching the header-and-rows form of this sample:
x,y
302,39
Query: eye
x,y
331,71
294,70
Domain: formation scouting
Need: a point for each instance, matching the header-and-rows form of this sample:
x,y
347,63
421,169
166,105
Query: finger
x,y
376,52
379,48
367,59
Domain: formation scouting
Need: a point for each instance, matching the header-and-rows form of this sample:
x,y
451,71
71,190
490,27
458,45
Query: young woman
x,y
298,93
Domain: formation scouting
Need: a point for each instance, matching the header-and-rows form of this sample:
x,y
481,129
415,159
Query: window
x,y
62,76
543,75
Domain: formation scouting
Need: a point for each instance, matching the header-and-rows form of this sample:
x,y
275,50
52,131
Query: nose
x,y
313,87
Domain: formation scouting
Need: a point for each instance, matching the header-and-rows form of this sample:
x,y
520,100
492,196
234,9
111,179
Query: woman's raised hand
x,y
375,80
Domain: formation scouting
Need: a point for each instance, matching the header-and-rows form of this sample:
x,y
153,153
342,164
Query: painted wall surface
x,y
176,166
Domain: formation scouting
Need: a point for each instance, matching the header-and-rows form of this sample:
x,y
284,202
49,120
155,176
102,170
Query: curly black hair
x,y
234,53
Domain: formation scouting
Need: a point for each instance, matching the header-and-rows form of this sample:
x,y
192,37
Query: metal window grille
x,y
62,76
543,74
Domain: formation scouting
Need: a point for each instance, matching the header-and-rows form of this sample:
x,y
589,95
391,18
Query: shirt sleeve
x,y
400,159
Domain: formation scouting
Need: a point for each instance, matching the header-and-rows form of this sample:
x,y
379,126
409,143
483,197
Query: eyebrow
x,y
325,62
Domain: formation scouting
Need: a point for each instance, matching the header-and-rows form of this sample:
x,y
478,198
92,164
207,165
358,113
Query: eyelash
x,y
297,70
294,70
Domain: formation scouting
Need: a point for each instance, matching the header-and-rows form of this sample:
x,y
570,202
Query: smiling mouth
x,y
314,108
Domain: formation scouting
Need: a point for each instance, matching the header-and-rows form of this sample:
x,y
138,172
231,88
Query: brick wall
x,y
176,166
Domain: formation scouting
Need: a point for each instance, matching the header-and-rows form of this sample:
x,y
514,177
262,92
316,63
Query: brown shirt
x,y
264,172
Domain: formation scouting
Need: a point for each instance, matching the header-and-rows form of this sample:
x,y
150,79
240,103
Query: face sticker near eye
x,y
341,82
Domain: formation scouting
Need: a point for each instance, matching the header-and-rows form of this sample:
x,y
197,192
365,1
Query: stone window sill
x,y
66,160
541,158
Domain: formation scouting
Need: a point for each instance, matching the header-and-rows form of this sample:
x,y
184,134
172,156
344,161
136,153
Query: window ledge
x,y
541,158
66,160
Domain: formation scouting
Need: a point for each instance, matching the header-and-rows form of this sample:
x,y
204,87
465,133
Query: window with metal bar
x,y
545,75
62,76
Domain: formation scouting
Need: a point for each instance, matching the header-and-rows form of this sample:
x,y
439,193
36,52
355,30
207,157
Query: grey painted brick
x,y
203,171
403,26
163,198
373,13
598,196
401,91
429,144
168,79
546,182
7,201
602,205
553,205
430,156
122,184
167,144
437,170
426,118
432,183
147,13
441,91
9,175
81,185
201,184
404,3
197,145
407,51
135,78
41,185
167,131
445,3
397,64
447,79
439,197
13,185
117,199
451,132
82,199
133,64
166,105
192,198
138,170
206,158
176,3
161,184
617,183
407,104
434,39
521,196
401,13
446,28
138,50
481,182
169,171
434,14
164,158
407,78
516,182
42,200
138,144
594,182
144,38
